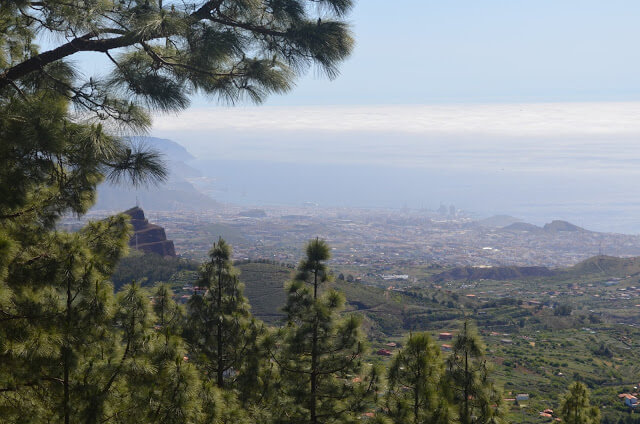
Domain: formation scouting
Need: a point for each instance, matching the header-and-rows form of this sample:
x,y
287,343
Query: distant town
x,y
385,239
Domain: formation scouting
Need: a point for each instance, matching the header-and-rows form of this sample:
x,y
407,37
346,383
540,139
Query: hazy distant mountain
x,y
552,227
172,150
562,226
498,221
177,193
522,226
166,198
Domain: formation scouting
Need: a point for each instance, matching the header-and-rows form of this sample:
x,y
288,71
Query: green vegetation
x,y
219,319
576,408
321,349
71,350
148,269
417,384
467,370
529,347
264,287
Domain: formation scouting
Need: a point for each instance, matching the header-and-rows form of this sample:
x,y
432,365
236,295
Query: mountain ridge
x,y
600,265
177,193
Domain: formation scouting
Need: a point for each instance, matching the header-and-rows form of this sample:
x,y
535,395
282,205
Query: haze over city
x,y
495,108
319,212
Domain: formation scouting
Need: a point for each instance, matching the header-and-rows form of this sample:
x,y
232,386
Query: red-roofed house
x,y
445,336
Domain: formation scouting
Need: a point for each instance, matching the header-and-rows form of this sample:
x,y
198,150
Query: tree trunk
x,y
467,419
220,369
314,357
416,398
65,356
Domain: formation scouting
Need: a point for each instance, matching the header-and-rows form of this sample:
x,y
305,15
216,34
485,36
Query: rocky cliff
x,y
148,237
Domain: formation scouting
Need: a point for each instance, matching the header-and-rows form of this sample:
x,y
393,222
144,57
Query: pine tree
x,y
56,298
220,406
320,351
476,396
258,383
64,341
219,322
175,384
169,315
415,383
152,378
164,51
576,407
56,337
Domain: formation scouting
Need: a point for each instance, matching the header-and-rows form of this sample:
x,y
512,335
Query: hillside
x,y
531,348
385,312
557,225
177,193
499,273
149,269
264,287
174,151
595,267
498,221
609,266
551,227
522,226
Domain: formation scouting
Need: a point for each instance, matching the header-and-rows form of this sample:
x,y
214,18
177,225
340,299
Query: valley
x,y
542,332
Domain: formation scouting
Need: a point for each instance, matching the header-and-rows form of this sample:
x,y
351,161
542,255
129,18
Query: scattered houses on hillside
x,y
445,336
629,399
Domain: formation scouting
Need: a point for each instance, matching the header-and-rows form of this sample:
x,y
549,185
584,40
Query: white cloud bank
x,y
505,120
541,138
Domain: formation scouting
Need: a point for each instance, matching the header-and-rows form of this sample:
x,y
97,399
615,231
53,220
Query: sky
x,y
498,67
538,97
469,51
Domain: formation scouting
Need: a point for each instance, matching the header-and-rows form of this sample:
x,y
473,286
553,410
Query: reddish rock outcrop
x,y
148,237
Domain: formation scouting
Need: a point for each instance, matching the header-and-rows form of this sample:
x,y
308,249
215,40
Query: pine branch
x,y
84,43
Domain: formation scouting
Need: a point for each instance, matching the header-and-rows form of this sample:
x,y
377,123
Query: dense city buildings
x,y
385,238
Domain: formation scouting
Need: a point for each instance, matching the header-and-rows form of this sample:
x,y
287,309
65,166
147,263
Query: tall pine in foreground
x,y
576,407
57,339
415,393
475,395
219,323
64,343
321,351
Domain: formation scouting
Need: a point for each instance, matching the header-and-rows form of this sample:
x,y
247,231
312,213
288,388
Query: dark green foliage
x,y
148,269
58,340
163,53
563,309
319,349
603,350
55,317
264,287
69,350
219,324
576,408
416,383
474,393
